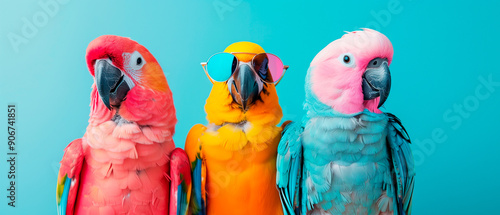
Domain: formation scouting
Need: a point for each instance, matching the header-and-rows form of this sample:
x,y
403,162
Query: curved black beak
x,y
377,80
244,87
111,84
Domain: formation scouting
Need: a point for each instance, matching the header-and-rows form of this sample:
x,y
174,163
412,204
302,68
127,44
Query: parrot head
x,y
244,94
352,73
244,85
118,64
128,80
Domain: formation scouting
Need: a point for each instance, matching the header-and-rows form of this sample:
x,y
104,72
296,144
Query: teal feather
x,y
402,159
181,199
358,163
61,208
289,166
198,204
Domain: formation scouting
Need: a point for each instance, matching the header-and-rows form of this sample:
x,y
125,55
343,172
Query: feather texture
x,y
338,168
237,149
354,158
69,177
403,164
180,176
122,164
193,149
289,167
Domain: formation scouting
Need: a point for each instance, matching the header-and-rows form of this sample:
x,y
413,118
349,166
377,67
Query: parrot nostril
x,y
377,62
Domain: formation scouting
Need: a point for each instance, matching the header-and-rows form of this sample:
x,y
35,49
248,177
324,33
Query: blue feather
x,y
349,163
199,202
64,198
288,164
180,197
403,163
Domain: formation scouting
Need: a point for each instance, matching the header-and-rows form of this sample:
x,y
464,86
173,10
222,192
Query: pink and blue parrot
x,y
347,156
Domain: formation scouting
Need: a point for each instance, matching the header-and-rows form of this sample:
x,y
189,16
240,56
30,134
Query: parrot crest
x,y
351,74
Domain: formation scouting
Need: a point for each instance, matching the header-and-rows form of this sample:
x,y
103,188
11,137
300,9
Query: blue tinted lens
x,y
221,66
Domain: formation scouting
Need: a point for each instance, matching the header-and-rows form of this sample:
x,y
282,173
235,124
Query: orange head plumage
x,y
244,96
129,82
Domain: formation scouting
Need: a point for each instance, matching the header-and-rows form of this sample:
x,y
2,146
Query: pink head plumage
x,y
339,84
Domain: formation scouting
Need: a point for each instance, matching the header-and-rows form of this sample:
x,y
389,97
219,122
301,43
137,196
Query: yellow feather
x,y
238,149
228,136
248,47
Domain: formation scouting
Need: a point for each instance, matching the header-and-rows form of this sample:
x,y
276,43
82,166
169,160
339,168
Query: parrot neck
x,y
314,107
143,107
146,119
236,136
233,128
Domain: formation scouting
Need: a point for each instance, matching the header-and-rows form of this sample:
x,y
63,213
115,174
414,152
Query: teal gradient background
x,y
442,51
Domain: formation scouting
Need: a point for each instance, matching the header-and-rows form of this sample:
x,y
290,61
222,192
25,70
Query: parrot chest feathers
x,y
119,120
243,126
127,145
236,136
241,179
347,139
346,166
125,164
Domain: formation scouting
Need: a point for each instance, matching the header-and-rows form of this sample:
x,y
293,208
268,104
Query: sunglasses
x,y
221,66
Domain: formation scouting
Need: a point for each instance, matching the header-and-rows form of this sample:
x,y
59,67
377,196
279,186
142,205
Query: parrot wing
x,y
68,178
180,182
289,165
198,168
403,164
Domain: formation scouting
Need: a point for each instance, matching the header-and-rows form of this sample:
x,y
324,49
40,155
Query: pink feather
x,y
121,172
338,85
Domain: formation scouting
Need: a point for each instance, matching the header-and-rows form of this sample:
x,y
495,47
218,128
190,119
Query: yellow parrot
x,y
233,158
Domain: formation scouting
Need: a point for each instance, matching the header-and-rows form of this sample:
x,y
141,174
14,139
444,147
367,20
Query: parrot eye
x,y
347,59
134,60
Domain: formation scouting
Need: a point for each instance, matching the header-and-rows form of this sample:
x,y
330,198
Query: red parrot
x,y
126,162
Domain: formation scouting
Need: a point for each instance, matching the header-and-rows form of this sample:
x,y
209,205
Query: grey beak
x,y
110,83
377,80
244,88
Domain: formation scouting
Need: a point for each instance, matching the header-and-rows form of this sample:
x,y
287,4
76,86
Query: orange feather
x,y
238,148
